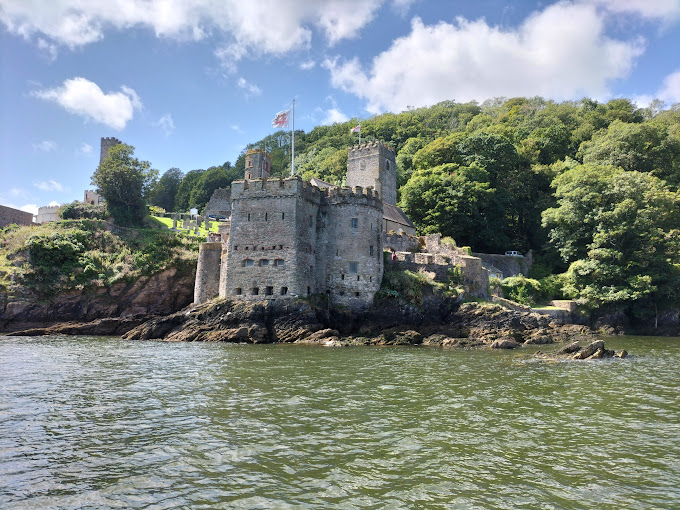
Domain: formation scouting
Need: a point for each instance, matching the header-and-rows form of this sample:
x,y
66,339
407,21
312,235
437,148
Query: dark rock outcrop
x,y
466,325
102,311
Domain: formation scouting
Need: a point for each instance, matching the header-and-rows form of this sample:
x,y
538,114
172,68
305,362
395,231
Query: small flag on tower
x,y
281,119
356,129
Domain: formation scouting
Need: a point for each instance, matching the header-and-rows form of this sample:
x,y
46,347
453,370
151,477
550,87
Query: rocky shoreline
x,y
298,321
439,323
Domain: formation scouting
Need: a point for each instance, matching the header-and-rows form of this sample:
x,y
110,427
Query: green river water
x,y
89,422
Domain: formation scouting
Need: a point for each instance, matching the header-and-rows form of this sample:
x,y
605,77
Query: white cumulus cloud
x,y
30,208
670,88
83,97
45,146
86,148
246,27
561,52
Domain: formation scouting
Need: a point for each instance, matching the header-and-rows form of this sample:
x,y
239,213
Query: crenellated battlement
x,y
371,147
259,188
358,195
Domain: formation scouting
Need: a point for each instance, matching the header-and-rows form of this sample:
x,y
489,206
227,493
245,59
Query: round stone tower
x,y
207,272
258,164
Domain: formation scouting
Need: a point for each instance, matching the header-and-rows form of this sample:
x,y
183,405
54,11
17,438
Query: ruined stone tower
x,y
373,165
107,143
258,164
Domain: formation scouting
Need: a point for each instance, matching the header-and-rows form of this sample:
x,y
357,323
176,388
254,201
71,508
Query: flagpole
x,y
292,137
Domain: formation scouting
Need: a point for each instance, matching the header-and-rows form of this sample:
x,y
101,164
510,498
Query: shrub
x,y
521,289
81,210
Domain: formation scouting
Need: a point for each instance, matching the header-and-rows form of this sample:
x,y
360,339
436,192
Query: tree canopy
x,y
125,182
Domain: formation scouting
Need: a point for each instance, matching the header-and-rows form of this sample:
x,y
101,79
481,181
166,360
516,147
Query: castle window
x,y
355,223
309,290
356,294
264,262
342,276
370,279
248,262
370,250
311,221
337,253
387,166
280,247
248,216
238,291
268,291
283,215
358,277
265,216
284,291
354,267
279,262
246,248
236,247
256,291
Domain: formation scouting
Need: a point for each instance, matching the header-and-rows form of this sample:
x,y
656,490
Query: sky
x,y
189,83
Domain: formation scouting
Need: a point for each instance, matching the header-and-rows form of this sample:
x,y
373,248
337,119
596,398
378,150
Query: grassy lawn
x,y
180,226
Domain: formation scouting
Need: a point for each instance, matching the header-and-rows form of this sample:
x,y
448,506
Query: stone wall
x,y
47,213
400,242
510,266
219,204
9,215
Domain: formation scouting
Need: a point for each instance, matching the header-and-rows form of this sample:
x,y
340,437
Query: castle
x,y
289,238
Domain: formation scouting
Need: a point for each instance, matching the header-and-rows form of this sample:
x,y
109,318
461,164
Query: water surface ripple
x,y
104,423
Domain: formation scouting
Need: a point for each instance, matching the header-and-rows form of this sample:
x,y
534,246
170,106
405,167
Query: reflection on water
x,y
104,423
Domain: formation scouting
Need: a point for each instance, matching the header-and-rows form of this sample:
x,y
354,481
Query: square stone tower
x,y
106,144
373,165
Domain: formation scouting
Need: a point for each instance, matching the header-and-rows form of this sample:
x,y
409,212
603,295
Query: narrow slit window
x,y
355,222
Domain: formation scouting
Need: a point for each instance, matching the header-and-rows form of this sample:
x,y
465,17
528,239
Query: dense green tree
x,y
124,181
164,192
405,156
183,196
213,178
644,147
455,201
619,231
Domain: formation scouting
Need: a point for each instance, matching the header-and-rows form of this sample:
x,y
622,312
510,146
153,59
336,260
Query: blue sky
x,y
189,83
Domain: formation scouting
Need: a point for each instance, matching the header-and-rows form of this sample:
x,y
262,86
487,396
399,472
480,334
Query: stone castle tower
x,y
107,143
373,165
258,164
